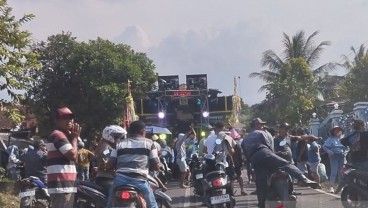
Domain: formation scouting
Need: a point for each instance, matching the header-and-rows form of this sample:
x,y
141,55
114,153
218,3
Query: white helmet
x,y
113,132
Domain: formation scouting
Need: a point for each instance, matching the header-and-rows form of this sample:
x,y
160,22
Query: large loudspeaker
x,y
197,82
168,83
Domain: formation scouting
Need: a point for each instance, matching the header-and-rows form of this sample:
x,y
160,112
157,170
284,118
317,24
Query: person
x,y
336,152
358,149
238,159
83,162
302,152
155,138
180,147
257,147
132,159
13,161
61,157
314,158
111,135
35,161
209,132
283,151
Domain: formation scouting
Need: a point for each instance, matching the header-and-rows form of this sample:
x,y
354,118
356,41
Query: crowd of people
x,y
127,156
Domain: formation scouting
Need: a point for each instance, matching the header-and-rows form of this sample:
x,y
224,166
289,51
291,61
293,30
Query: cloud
x,y
219,52
135,37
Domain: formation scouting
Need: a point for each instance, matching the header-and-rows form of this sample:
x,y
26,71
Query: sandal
x,y
243,193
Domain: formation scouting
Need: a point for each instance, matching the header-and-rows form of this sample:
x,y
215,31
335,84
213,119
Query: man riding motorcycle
x,y
258,150
132,158
110,136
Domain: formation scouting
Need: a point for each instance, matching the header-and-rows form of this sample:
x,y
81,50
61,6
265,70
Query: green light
x,y
163,136
203,134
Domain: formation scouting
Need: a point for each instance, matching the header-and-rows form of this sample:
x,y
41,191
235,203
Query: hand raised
x,y
76,129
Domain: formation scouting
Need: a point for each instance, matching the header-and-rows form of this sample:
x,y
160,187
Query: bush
x,y
2,174
8,200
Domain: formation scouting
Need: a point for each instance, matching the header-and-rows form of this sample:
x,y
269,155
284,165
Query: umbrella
x,y
157,130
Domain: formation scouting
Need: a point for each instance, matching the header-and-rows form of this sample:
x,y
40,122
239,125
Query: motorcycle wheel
x,y
32,202
349,198
83,203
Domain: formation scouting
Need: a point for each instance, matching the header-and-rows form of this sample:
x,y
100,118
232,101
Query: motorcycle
x,y
164,173
33,193
219,187
92,195
354,185
281,190
197,181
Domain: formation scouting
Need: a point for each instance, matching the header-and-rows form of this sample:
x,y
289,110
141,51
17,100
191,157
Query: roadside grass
x,y
8,201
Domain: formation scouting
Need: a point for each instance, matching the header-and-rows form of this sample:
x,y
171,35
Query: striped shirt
x,y
133,156
61,172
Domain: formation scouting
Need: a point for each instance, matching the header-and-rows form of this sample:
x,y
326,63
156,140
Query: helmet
x,y
113,132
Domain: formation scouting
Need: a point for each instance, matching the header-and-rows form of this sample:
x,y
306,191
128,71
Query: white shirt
x,y
210,143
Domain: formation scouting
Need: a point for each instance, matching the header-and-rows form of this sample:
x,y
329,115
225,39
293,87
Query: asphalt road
x,y
309,198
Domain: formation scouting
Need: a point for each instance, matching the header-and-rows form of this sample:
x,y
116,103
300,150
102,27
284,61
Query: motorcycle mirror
x,y
282,143
218,141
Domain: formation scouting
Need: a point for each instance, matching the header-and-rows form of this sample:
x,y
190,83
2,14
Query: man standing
x,y
62,154
281,143
84,158
181,156
132,158
35,161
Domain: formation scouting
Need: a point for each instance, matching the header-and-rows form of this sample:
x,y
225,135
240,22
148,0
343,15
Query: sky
x,y
223,39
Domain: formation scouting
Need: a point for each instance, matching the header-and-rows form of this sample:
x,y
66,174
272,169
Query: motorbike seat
x,y
213,174
92,185
128,188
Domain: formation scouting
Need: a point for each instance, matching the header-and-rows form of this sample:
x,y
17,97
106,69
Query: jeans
x,y
62,200
143,186
83,173
12,173
336,163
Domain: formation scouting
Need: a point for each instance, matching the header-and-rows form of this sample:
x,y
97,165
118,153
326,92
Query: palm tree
x,y
297,47
355,84
282,82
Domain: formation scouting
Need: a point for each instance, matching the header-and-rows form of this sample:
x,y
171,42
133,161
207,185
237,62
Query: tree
x,y
297,50
355,84
16,58
90,78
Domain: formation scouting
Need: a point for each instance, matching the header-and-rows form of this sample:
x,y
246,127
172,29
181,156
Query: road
x,y
309,198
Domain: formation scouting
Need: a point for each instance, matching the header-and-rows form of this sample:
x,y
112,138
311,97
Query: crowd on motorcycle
x,y
129,168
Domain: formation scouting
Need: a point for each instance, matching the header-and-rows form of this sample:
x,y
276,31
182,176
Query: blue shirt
x,y
333,146
313,153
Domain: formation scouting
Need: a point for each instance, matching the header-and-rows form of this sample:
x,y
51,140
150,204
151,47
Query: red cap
x,y
63,112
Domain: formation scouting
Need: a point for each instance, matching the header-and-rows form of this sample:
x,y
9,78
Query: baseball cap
x,y
257,121
64,113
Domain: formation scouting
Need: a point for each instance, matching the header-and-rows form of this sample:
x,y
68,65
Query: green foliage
x,y
291,85
355,85
90,78
16,58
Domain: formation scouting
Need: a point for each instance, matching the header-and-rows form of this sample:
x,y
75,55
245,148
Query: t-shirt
x,y
134,156
35,164
313,154
61,172
84,157
180,146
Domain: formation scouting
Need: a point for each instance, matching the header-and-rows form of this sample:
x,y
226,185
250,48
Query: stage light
x,y
205,114
161,115
203,134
